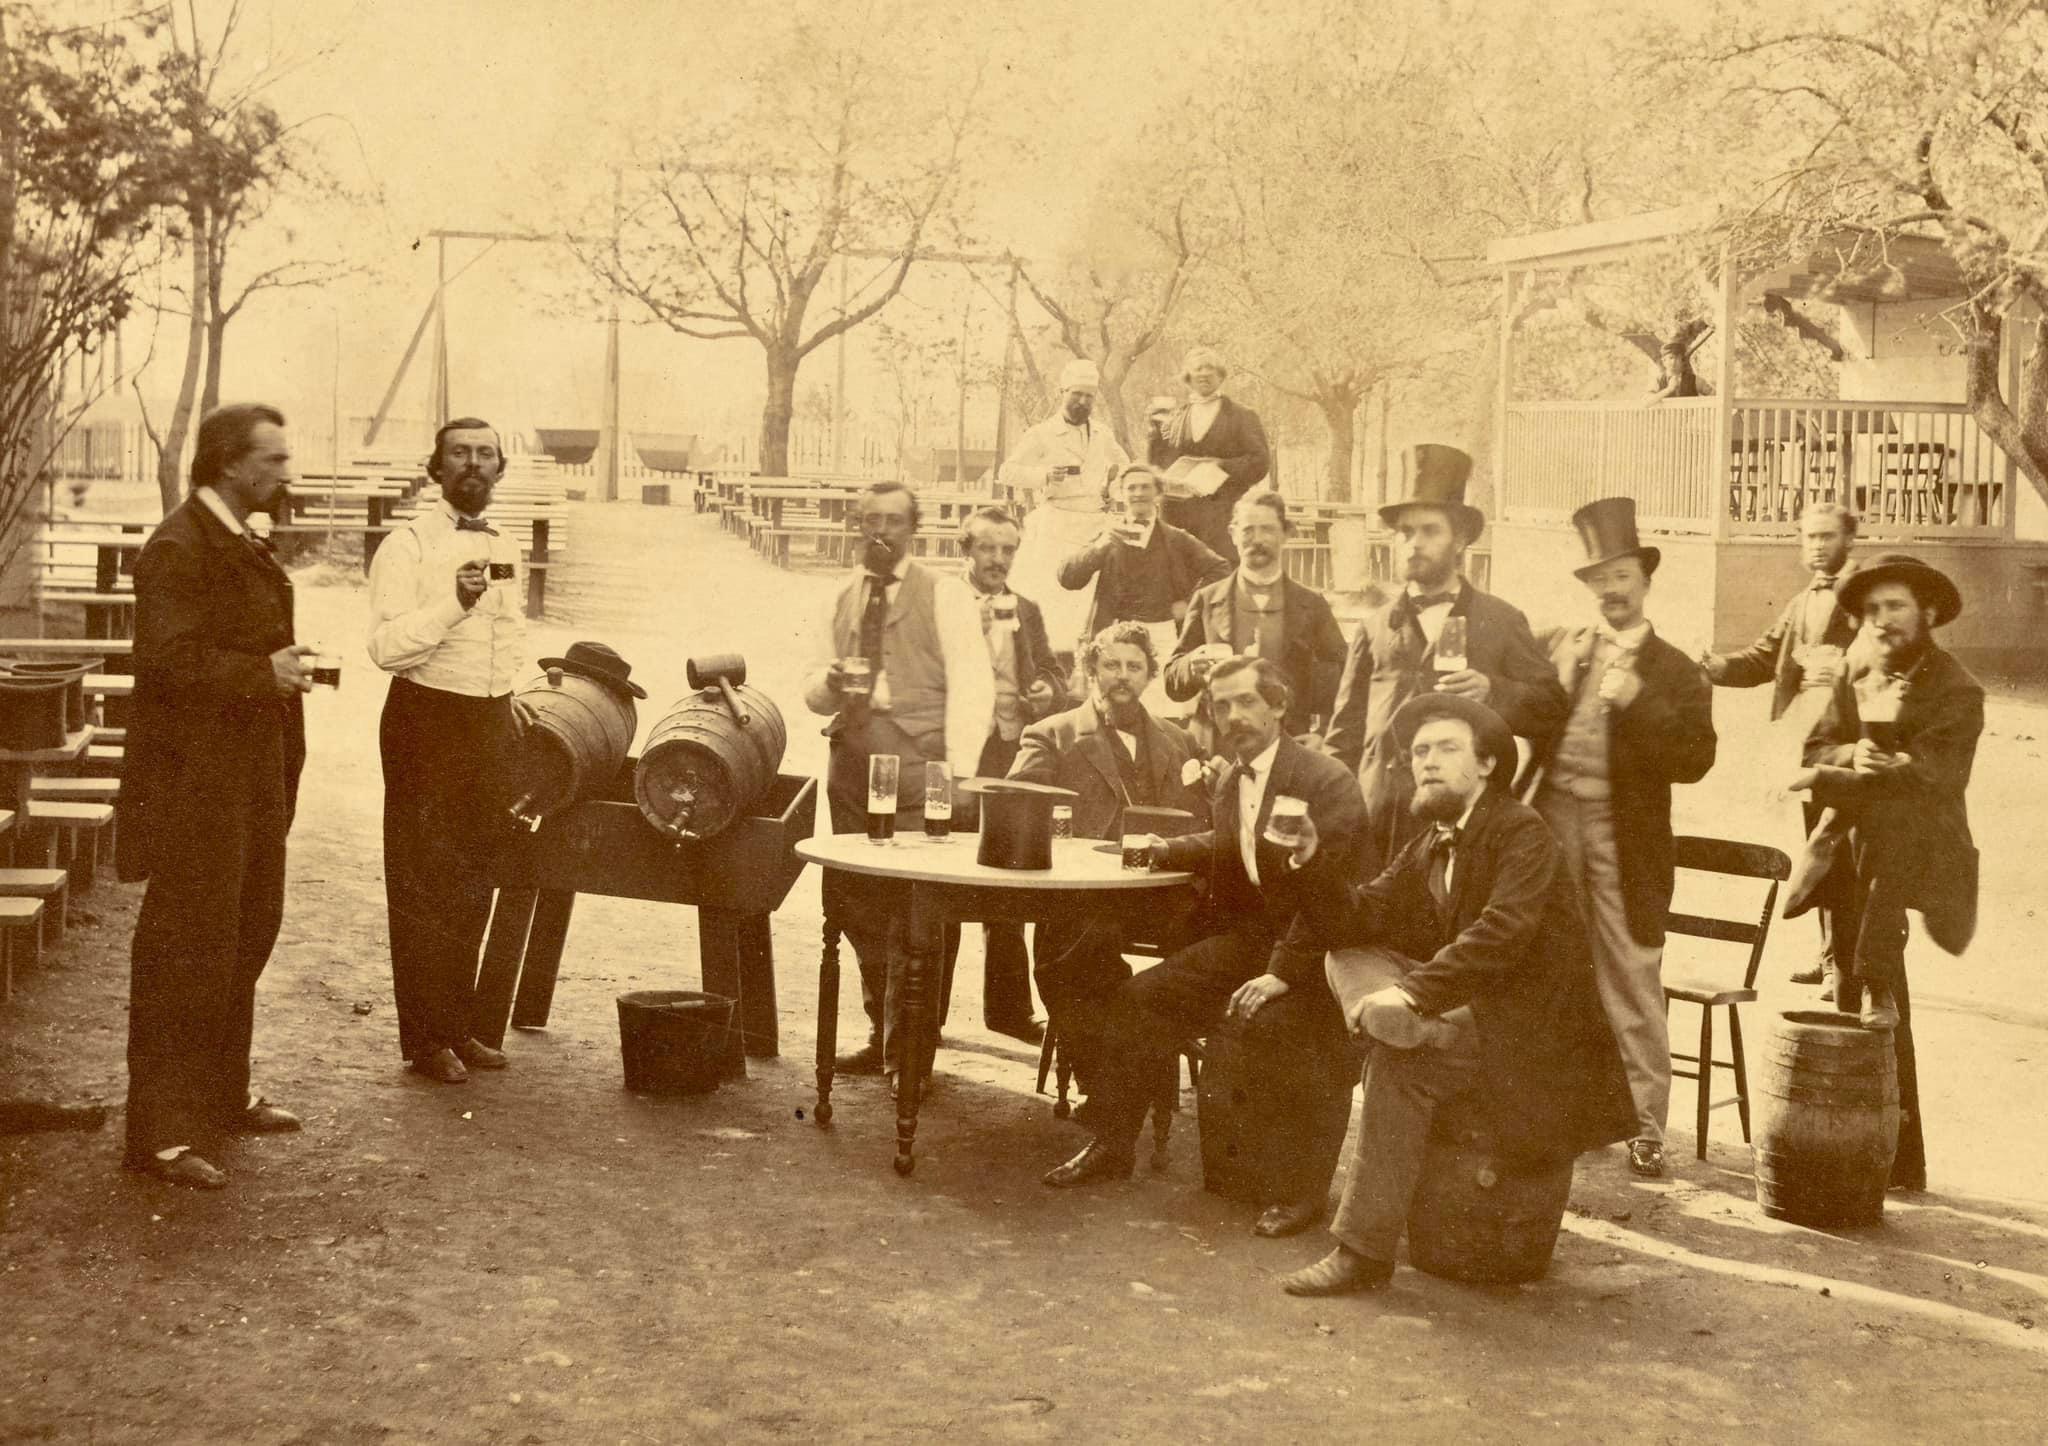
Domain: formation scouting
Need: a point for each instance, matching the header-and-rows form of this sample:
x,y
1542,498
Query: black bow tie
x,y
1446,839
880,579
474,524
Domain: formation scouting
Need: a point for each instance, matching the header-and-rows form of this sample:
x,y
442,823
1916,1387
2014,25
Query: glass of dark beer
x,y
938,800
1877,717
1283,824
1138,853
856,676
1062,820
326,669
883,771
502,571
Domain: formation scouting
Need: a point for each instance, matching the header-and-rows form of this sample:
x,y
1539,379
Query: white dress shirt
x,y
217,505
1057,442
1251,794
419,629
1431,618
1629,640
970,679
1202,416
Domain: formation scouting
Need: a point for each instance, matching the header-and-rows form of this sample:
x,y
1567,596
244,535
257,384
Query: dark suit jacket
x,y
213,749
1909,826
1315,646
1666,736
1036,662
1770,658
1236,439
1333,800
1390,661
1071,750
1512,945
1181,556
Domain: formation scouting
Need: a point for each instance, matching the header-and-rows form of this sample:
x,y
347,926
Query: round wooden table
x,y
948,887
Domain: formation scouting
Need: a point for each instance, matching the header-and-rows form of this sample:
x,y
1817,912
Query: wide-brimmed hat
x,y
1929,583
600,664
1436,478
1489,732
1607,530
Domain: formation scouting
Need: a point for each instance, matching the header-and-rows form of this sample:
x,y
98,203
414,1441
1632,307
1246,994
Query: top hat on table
x,y
1016,821
1929,583
1436,478
597,662
1607,530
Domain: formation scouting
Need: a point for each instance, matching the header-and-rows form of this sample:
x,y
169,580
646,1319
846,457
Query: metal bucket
x,y
575,746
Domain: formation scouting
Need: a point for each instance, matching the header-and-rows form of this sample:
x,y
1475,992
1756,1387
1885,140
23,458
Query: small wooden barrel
x,y
576,745
702,767
1827,1101
1477,1218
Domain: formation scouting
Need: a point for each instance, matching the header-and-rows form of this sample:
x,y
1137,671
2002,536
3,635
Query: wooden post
x,y
504,953
440,398
537,577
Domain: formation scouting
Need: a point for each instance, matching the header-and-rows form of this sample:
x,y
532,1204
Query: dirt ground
x,y
539,1256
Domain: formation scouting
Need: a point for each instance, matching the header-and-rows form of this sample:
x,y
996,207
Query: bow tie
x,y
1446,839
880,579
474,524
1432,600
1627,645
1821,584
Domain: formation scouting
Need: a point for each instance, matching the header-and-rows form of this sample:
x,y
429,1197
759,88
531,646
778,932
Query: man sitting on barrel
x,y
1463,967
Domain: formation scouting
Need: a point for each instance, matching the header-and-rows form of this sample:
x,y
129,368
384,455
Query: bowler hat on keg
x,y
1436,478
600,664
1607,529
1929,584
1491,735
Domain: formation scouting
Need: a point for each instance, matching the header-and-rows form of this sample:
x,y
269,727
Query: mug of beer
x,y
501,571
856,676
1283,824
326,668
1062,820
938,801
1137,849
1002,612
1450,645
1877,714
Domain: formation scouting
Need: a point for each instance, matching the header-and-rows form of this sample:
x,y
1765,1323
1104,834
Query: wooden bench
x,y
17,916
52,887
73,832
81,789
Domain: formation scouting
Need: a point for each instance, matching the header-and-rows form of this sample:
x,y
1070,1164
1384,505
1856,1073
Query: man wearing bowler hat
x,y
1888,763
1641,719
1209,426
453,638
1393,657
1463,968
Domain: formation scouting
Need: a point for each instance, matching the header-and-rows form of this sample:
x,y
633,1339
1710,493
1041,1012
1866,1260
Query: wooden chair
x,y
1740,860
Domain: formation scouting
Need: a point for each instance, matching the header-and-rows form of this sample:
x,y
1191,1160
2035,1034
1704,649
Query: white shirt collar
x,y
1415,590
1263,584
1627,639
1261,767
218,506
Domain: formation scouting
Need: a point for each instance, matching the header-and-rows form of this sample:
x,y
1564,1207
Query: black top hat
x,y
1016,821
1929,583
599,663
1607,527
1490,733
1436,478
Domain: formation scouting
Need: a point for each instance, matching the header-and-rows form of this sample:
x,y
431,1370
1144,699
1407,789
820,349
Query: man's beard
x,y
1436,803
1125,713
878,555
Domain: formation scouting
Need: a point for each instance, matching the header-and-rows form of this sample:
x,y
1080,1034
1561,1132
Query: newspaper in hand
x,y
1193,477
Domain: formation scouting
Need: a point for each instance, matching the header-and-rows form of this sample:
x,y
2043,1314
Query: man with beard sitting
x,y
1464,967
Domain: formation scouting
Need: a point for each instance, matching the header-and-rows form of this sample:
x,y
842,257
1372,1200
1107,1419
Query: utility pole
x,y
839,383
608,405
440,378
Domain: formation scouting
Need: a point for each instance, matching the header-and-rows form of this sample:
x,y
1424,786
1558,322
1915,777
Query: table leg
x,y
543,958
498,978
828,1019
920,1019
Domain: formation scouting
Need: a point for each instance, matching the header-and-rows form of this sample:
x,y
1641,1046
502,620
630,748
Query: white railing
x,y
1558,456
1897,465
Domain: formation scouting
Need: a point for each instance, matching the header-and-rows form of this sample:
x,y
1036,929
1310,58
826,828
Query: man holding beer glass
x,y
1144,569
1246,974
903,673
1888,763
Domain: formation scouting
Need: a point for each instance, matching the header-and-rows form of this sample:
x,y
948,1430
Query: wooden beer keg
x,y
1827,1102
1478,1218
711,755
575,746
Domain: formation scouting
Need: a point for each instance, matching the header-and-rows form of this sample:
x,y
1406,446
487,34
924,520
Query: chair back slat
x,y
1700,927
1740,860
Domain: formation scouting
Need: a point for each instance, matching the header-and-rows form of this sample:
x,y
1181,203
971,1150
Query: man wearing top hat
x,y
453,638
902,669
1248,973
1463,967
1800,656
1393,656
1114,755
1260,612
1067,463
1641,719
1209,426
1894,832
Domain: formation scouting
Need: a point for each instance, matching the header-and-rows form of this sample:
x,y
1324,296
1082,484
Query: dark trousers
x,y
1823,914
1297,1045
207,925
1869,935
1404,1088
444,817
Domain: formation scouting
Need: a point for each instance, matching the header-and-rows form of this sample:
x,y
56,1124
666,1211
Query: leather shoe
x,y
441,1066
865,1060
1031,1031
186,1169
1880,1010
1812,975
265,1118
478,1055
1096,1161
1288,1219
1342,1272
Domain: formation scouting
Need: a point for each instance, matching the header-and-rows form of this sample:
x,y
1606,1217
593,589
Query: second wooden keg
x,y
575,746
708,758
1827,1106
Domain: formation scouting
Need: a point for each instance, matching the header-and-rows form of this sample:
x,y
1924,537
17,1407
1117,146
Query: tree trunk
x,y
216,333
777,411
1340,414
1985,396
168,483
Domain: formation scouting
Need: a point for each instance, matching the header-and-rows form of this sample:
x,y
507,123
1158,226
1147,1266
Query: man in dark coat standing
x,y
1211,427
1641,719
1144,568
1029,684
1113,755
1260,612
1464,967
1245,974
1888,763
216,740
1393,656
1800,656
